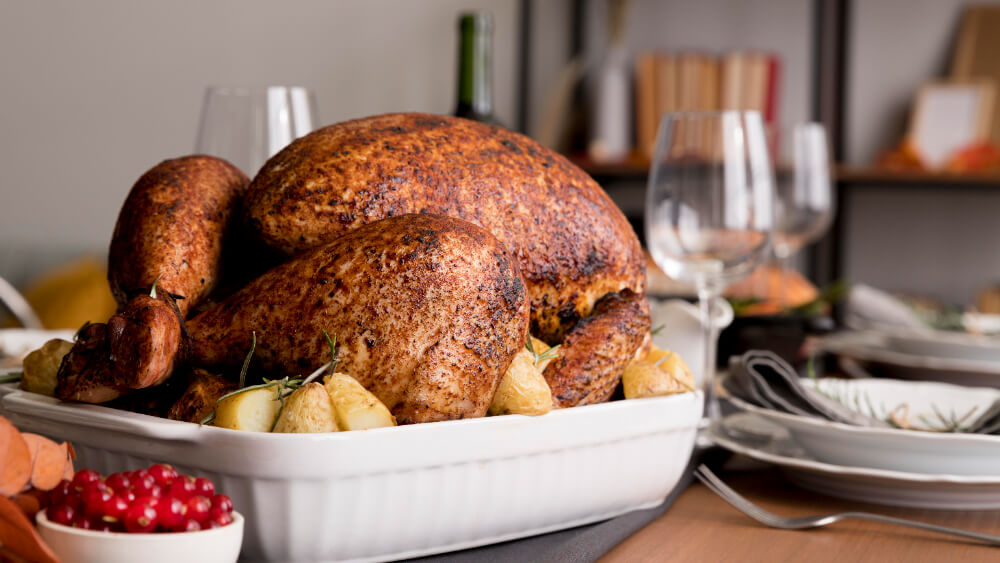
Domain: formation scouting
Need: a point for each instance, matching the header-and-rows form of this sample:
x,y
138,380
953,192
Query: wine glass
x,y
709,207
246,125
804,201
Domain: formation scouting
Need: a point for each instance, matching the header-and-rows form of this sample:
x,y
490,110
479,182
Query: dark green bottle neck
x,y
475,80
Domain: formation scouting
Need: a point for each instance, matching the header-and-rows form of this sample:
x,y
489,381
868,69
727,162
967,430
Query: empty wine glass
x,y
709,207
246,125
804,202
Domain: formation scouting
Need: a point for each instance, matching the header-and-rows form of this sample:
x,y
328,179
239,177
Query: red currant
x,y
197,508
115,508
140,519
188,525
118,481
147,500
95,498
82,522
163,474
101,525
83,477
60,514
218,518
58,494
222,502
170,512
182,488
147,487
204,487
74,500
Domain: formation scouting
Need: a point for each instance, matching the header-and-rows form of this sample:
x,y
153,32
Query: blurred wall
x,y
94,93
941,240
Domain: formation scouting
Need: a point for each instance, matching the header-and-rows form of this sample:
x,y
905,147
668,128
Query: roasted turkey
x,y
424,243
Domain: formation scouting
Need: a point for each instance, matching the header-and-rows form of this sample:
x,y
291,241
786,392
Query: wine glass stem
x,y
706,298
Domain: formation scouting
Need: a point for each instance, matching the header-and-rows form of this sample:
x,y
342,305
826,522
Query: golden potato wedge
x,y
661,372
42,365
253,410
355,407
522,390
307,409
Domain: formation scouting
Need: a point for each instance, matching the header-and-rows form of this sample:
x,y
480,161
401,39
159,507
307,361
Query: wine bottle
x,y
475,70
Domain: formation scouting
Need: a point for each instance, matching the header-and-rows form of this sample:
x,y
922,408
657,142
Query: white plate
x,y
892,448
955,358
754,437
392,493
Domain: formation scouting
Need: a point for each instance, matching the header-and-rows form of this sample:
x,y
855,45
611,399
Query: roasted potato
x,y
42,365
253,410
523,390
308,409
661,372
355,407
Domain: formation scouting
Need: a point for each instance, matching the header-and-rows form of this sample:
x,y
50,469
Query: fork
x,y
739,502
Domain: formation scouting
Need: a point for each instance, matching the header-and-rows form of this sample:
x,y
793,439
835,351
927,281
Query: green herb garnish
x,y
152,290
12,377
549,354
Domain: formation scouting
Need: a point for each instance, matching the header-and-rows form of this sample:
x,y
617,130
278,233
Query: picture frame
x,y
948,117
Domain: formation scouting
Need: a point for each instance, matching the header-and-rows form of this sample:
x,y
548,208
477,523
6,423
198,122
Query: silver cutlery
x,y
710,480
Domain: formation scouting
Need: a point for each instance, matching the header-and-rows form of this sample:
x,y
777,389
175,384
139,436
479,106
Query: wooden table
x,y
702,527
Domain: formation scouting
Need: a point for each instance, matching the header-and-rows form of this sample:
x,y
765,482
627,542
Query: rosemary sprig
x,y
152,290
656,330
540,357
333,351
246,362
12,377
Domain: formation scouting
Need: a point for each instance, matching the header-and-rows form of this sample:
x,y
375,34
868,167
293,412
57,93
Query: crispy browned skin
x,y
174,225
137,348
85,373
144,341
596,349
200,397
428,312
572,243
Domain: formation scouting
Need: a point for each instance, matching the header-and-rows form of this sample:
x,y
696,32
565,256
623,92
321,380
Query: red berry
x,y
163,474
95,498
218,518
82,522
182,488
129,495
101,525
147,487
170,512
204,487
60,514
74,500
147,500
188,525
58,494
118,481
84,476
140,519
222,502
197,508
115,508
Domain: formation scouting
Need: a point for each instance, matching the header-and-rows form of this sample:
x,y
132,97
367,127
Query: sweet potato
x,y
18,535
15,463
48,461
28,503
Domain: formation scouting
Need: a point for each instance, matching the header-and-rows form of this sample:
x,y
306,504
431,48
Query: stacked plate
x,y
953,357
931,465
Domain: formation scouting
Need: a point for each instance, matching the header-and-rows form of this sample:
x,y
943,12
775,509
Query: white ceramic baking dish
x,y
392,493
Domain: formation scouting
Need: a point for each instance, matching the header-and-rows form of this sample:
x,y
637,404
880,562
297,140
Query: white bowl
x,y
73,545
393,493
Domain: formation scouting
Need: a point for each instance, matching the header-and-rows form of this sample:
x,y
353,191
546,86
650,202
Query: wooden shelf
x,y
635,167
872,175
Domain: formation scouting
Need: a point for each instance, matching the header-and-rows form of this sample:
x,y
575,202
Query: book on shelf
x,y
699,81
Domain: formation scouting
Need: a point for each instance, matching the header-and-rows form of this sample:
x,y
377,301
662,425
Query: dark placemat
x,y
583,543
